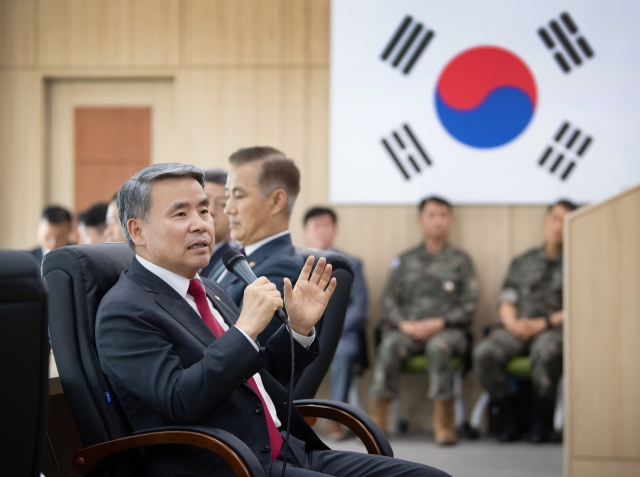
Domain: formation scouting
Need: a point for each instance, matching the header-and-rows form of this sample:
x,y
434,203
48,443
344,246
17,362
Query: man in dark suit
x,y
176,350
54,229
320,230
214,182
262,187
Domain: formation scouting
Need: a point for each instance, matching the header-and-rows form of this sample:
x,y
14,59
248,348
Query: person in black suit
x,y
176,349
262,187
214,182
54,229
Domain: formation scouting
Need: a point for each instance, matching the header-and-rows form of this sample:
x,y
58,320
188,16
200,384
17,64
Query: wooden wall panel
x,y
293,28
318,18
602,279
155,32
108,32
525,228
223,110
75,32
21,158
17,32
244,32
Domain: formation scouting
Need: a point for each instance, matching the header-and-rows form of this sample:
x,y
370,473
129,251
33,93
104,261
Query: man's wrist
x,y
301,330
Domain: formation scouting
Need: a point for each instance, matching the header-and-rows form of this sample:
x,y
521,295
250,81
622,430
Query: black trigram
x,y
567,39
406,151
408,42
570,145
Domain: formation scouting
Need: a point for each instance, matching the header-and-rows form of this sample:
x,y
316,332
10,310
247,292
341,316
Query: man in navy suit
x,y
214,182
320,230
176,349
262,187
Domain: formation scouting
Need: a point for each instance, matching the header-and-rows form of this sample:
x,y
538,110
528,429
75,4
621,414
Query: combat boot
x,y
444,429
508,407
541,427
378,408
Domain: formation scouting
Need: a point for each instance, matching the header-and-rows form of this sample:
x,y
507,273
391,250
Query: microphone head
x,y
236,263
230,259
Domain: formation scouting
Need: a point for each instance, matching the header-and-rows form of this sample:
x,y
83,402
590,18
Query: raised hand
x,y
307,301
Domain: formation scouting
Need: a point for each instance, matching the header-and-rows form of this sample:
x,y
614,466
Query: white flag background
x,y
598,99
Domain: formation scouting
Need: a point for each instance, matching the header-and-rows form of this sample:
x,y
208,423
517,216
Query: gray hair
x,y
134,196
215,175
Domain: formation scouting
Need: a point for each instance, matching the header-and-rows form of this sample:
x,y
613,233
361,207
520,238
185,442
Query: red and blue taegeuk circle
x,y
485,97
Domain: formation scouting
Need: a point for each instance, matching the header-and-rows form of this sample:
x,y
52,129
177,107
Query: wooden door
x,y
111,145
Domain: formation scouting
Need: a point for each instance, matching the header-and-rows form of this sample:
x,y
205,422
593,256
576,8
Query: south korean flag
x,y
483,101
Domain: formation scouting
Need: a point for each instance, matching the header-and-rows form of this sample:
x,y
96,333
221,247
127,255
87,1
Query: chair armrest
x,y
353,418
232,450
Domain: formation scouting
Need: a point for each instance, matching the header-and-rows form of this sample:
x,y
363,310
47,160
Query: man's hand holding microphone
x,y
305,302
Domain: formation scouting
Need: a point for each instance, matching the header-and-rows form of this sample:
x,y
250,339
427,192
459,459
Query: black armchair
x,y
24,374
78,277
329,327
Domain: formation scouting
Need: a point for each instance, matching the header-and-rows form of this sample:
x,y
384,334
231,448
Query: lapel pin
x,y
217,297
252,264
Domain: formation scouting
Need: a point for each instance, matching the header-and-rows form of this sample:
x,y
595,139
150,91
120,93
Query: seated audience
x,y
262,187
214,182
430,300
92,224
530,309
113,232
54,229
320,229
177,351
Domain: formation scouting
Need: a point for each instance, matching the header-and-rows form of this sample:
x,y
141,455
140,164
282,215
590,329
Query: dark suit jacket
x,y
274,260
167,367
215,260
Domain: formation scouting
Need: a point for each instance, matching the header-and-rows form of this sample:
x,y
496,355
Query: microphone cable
x,y
53,452
290,403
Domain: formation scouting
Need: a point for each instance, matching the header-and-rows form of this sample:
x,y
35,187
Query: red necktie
x,y
197,292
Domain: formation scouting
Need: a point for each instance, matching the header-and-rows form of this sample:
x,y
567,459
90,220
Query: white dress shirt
x,y
249,249
181,285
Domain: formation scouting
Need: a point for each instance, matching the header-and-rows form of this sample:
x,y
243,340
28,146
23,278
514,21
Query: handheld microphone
x,y
236,263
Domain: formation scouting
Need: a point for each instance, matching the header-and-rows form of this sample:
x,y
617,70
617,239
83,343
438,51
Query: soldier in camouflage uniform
x,y
429,302
530,308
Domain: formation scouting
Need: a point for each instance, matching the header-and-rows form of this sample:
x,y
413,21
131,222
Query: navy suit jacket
x,y
274,260
215,261
166,367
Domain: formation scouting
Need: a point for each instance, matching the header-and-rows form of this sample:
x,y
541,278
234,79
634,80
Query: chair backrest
x,y
24,372
77,278
329,328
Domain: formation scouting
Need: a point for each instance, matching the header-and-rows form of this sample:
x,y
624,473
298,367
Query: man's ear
x,y
279,200
136,232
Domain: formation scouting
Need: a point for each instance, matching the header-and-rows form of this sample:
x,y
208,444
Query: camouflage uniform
x,y
422,286
534,285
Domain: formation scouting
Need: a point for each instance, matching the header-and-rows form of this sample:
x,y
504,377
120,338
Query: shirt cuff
x,y
255,345
304,341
